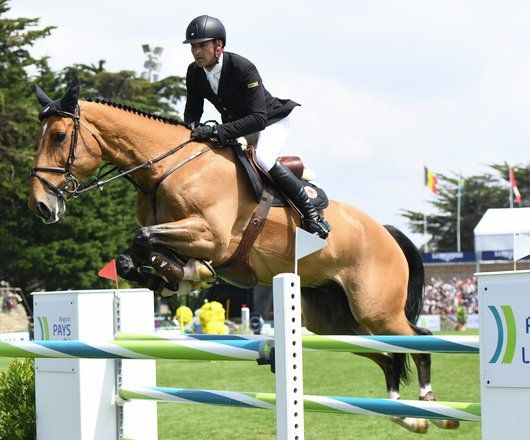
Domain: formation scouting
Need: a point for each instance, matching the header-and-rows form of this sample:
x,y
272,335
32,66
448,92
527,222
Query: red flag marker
x,y
110,272
515,190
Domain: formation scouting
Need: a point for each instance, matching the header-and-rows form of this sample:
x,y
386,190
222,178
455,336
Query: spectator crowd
x,y
445,297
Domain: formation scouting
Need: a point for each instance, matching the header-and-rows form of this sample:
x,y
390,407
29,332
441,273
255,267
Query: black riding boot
x,y
289,184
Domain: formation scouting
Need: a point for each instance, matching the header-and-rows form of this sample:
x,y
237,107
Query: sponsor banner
x,y
55,321
505,334
431,322
449,257
499,255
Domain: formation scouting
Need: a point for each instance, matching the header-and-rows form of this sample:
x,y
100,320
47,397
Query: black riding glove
x,y
205,133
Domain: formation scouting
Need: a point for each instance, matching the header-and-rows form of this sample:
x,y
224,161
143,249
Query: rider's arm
x,y
255,105
194,101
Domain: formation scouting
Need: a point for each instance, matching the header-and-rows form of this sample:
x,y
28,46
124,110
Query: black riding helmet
x,y
205,28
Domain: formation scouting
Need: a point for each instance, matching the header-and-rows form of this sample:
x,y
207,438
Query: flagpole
x,y
425,232
511,185
458,213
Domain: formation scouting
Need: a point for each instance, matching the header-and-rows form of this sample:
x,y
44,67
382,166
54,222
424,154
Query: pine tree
x,y
99,225
480,192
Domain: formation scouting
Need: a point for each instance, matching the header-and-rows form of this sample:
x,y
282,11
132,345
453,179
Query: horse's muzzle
x,y
48,208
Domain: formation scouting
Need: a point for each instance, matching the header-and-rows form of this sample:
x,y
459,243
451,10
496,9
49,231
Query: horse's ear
x,y
41,96
69,100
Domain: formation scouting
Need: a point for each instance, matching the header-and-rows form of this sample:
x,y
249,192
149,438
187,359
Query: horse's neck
x,y
129,140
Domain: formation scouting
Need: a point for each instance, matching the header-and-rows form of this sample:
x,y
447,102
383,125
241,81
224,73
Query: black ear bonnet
x,y
67,103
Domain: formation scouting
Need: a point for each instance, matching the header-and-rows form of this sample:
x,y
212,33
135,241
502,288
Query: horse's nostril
x,y
44,210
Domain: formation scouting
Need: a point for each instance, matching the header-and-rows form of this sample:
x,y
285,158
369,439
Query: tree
x,y
99,225
479,193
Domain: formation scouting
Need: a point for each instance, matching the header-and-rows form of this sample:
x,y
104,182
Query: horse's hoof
x,y
418,426
429,397
442,424
127,269
446,424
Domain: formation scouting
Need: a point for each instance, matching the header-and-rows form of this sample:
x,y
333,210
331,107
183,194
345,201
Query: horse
x,y
194,203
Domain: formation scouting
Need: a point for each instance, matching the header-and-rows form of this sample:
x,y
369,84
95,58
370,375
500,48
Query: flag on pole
x,y
305,244
110,272
515,190
431,180
521,246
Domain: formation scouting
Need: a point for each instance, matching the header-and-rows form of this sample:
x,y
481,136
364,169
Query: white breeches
x,y
271,142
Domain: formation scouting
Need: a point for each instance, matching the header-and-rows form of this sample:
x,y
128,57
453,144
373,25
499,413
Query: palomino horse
x,y
197,202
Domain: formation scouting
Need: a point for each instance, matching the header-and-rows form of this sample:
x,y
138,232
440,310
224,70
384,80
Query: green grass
x,y
454,378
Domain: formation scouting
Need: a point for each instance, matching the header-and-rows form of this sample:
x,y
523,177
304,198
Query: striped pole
x,y
231,348
329,404
339,343
187,350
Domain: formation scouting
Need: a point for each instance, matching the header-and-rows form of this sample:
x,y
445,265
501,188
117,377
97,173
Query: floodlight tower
x,y
152,64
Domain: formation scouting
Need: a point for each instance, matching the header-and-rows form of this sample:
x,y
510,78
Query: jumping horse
x,y
197,211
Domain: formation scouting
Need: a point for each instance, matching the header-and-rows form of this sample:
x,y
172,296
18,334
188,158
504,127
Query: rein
x,y
73,188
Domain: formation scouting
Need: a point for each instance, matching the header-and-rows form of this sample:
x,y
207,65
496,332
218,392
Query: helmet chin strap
x,y
217,54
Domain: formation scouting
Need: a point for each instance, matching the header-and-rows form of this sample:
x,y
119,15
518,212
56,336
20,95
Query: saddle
x,y
259,179
237,270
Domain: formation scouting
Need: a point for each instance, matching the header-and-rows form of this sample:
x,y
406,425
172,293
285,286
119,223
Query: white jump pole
x,y
288,357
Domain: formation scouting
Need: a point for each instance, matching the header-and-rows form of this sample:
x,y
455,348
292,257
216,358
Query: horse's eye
x,y
59,137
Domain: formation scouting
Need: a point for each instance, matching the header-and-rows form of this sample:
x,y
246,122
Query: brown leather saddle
x,y
237,270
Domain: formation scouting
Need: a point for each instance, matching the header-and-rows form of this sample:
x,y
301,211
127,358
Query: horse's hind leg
x,y
326,310
387,362
423,365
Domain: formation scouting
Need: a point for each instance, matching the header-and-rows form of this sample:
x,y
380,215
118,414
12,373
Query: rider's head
x,y
207,37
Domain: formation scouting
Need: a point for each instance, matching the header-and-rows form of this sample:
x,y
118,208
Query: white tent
x,y
494,231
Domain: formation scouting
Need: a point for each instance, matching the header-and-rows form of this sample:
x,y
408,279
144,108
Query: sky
x,y
386,87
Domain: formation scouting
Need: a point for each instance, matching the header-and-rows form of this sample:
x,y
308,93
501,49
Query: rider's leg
x,y
270,143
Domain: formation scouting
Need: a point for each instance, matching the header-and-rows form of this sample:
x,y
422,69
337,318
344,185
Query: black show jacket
x,y
245,105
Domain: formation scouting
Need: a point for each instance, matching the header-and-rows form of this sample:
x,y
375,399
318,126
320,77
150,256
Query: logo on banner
x,y
506,331
44,328
60,329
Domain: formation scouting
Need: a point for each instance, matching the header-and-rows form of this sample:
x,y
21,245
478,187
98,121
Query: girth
x,y
238,270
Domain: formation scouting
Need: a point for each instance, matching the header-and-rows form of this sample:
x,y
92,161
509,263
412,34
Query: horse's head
x,y
65,154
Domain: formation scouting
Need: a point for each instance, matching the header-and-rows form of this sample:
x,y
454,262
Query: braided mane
x,y
137,111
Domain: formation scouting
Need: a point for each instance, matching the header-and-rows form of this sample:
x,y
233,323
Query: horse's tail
x,y
414,303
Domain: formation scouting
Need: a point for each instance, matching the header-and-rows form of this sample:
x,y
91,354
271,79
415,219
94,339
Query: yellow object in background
x,y
184,315
212,316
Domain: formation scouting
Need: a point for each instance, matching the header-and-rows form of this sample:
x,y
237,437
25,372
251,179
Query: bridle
x,y
71,183
72,186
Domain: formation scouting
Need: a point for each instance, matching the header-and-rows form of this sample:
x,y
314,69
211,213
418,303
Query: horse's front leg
x,y
166,247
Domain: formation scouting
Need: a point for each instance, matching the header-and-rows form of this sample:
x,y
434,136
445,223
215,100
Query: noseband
x,y
71,183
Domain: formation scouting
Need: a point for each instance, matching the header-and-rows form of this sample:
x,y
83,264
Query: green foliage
x,y
98,225
17,401
479,193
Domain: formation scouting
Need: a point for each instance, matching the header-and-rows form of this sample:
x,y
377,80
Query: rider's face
x,y
204,53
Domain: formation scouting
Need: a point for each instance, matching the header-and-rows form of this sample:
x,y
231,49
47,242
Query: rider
x,y
233,85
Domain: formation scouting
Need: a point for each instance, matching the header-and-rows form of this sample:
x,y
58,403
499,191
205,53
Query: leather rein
x,y
72,186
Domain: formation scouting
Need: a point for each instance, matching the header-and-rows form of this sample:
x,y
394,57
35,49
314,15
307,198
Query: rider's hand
x,y
204,133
